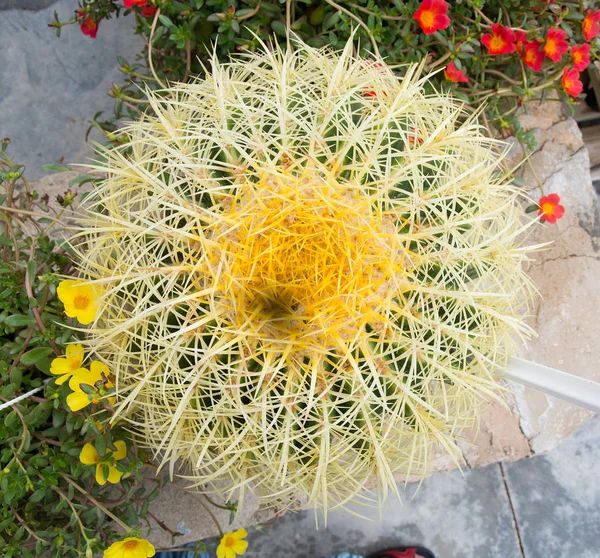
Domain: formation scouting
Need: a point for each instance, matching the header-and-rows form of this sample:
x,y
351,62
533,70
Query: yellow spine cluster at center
x,y
307,260
311,275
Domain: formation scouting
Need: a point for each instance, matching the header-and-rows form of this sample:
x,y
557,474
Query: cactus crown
x,y
311,271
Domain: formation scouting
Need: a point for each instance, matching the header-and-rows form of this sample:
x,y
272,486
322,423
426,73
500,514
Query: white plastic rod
x,y
582,392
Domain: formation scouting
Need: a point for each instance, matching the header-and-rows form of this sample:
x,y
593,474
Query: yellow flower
x,y
232,544
80,300
131,547
89,456
97,373
66,367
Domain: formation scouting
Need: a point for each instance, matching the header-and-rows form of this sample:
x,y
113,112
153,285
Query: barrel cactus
x,y
311,275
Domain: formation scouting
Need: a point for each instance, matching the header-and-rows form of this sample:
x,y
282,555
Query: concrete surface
x,y
556,498
33,5
451,514
541,507
51,87
185,512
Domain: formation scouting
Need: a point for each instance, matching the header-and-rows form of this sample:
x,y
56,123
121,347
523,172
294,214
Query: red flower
x,y
87,24
132,3
380,69
556,45
550,208
521,38
591,25
149,11
534,56
89,27
581,57
373,93
452,73
571,82
501,41
415,137
431,16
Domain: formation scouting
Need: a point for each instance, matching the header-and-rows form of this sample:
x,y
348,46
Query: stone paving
x,y
547,505
51,87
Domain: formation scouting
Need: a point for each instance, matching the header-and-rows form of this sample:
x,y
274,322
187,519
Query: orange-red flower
x,y
591,25
581,57
373,93
431,16
452,73
381,71
556,44
132,3
415,137
534,55
550,208
521,42
571,82
501,41
149,11
531,51
87,24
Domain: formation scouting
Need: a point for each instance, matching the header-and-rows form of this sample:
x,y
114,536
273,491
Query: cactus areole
x,y
311,272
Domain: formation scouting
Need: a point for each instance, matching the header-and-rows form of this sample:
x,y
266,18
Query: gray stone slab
x,y
455,516
25,4
557,497
51,87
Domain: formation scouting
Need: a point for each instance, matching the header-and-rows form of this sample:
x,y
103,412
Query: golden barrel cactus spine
x,y
312,274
